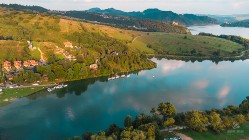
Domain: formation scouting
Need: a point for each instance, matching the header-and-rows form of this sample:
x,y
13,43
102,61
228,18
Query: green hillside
x,y
114,50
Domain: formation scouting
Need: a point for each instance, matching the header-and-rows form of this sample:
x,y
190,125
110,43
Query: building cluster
x,y
19,64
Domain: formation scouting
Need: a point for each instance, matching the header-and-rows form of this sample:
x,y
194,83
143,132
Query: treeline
x,y
240,40
164,116
156,14
22,7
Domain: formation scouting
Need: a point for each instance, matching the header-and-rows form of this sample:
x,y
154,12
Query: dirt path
x,y
183,136
42,54
136,38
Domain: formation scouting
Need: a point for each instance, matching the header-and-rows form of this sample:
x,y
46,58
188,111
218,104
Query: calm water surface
x,y
218,30
92,105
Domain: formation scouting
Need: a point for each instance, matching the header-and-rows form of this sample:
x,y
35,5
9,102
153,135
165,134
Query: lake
x,y
218,30
94,104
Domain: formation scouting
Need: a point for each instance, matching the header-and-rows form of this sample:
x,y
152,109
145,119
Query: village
x,y
8,69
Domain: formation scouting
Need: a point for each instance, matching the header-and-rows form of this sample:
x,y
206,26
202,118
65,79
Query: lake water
x,y
94,104
218,30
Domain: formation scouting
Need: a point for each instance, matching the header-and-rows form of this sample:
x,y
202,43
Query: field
x,y
240,133
12,94
180,44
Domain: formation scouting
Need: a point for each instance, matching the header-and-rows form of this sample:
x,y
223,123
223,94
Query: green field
x,y
12,94
185,45
232,134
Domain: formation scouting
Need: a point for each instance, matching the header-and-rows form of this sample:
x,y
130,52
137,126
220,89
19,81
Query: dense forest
x,y
165,116
165,16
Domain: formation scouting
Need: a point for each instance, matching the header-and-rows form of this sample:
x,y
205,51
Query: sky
x,y
216,7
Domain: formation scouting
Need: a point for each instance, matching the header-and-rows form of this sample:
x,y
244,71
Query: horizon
x,y
230,7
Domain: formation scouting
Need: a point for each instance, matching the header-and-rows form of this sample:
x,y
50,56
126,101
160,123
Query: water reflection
x,y
94,104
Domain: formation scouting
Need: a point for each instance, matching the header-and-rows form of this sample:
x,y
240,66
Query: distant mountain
x,y
243,23
156,14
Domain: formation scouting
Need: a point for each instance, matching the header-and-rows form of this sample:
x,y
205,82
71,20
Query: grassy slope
x,y
176,44
242,132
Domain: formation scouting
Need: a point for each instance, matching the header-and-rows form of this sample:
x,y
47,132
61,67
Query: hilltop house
x,y
7,65
68,44
18,64
174,23
93,66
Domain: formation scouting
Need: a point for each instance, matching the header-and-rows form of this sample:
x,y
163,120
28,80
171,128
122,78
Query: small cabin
x,y
68,44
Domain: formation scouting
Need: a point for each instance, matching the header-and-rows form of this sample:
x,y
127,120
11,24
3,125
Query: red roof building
x,y
33,63
18,64
26,64
7,65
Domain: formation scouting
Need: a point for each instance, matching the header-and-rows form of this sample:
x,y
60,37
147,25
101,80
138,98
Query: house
x,y
10,77
174,23
68,44
33,63
26,64
94,67
7,65
18,64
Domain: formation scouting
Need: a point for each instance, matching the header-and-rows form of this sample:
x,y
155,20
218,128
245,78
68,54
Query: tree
x,y
215,121
196,120
239,119
244,106
169,122
167,110
128,121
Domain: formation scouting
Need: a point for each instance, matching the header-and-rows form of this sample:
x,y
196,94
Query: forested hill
x,y
243,23
156,14
124,22
22,7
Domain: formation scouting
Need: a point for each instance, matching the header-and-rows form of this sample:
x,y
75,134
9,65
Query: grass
x,y
241,133
180,44
12,94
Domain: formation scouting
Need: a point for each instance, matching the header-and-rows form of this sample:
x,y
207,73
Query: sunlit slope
x,y
179,44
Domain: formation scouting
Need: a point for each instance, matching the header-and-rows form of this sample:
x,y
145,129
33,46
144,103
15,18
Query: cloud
x,y
200,84
224,91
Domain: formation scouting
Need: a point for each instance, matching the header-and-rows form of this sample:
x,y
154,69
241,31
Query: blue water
x,y
94,104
